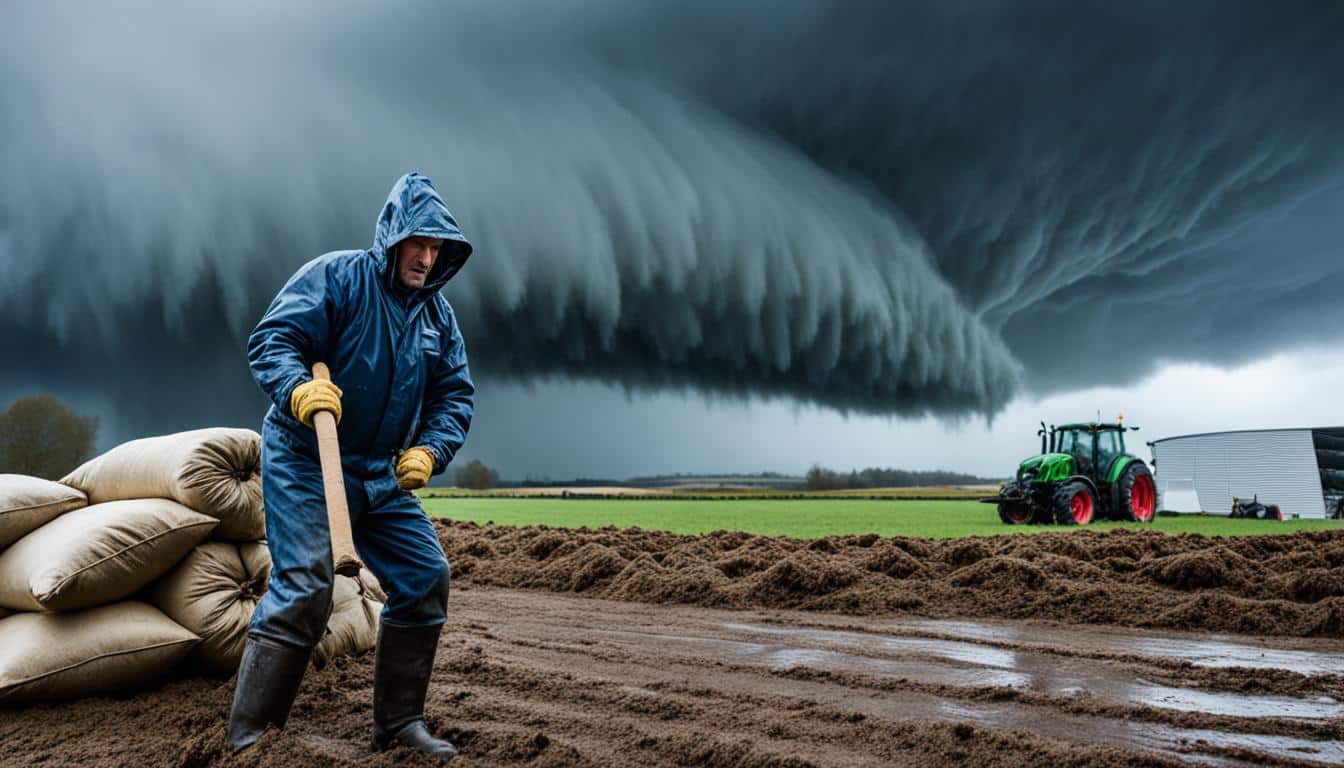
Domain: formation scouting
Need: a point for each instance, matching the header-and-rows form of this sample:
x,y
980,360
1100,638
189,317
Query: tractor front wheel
x,y
1137,494
1014,512
1074,504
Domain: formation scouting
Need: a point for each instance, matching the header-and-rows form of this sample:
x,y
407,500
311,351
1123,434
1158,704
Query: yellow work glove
x,y
414,468
312,396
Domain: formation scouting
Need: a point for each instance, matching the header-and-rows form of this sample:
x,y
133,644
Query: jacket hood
x,y
414,208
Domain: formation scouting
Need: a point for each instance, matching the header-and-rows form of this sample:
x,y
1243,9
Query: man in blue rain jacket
x,y
402,398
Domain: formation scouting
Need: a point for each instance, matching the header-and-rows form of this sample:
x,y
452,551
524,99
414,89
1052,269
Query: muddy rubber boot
x,y
268,679
401,670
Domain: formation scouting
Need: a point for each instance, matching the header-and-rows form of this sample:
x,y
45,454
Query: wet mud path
x,y
536,678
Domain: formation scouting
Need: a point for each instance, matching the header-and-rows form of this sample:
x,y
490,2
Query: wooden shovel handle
x,y
344,558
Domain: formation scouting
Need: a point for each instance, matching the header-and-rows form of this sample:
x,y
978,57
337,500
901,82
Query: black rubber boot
x,y
268,679
401,670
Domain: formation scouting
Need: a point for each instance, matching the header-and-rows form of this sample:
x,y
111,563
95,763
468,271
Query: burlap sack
x,y
215,471
28,502
353,627
118,647
213,592
215,589
98,554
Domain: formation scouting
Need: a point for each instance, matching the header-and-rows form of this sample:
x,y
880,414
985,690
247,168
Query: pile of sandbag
x,y
144,560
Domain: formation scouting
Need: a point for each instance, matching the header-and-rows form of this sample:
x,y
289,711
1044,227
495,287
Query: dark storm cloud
x,y
886,209
1126,169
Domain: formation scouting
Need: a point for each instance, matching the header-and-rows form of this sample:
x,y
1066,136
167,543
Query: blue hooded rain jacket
x,y
398,356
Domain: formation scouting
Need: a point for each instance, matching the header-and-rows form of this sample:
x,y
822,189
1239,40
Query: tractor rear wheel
x,y
1014,512
1074,504
1137,494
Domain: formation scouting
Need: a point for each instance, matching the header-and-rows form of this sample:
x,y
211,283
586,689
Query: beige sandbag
x,y
213,592
119,647
98,554
215,471
353,626
28,502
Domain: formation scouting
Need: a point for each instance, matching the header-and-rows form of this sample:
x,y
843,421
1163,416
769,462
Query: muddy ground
x,y
691,651
1275,585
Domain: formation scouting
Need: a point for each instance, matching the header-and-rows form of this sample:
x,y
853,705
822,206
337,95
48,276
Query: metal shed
x,y
1301,470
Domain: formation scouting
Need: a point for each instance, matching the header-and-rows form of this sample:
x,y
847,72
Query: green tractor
x,y
1081,472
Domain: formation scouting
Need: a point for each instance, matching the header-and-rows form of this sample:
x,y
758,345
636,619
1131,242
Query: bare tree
x,y
43,437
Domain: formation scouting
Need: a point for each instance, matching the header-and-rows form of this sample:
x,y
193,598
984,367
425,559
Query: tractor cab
x,y
1093,446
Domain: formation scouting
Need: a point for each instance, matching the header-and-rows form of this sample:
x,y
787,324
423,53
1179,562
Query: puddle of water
x,y
1236,705
1329,752
784,658
961,713
1043,672
1190,744
777,656
971,629
1201,652
1186,743
954,650
1000,668
1222,654
796,657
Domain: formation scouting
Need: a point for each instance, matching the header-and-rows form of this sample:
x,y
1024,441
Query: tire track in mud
x,y
908,677
1206,662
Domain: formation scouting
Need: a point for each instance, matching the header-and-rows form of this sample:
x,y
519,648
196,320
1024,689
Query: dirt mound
x,y
1192,570
893,561
1288,585
1001,573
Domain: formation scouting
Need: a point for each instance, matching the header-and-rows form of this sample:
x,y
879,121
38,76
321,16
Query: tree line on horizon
x,y
820,478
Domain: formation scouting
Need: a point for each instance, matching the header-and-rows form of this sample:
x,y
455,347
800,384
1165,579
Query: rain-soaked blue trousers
x,y
395,540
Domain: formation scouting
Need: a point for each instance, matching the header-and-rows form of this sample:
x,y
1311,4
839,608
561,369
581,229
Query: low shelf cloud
x,y
899,210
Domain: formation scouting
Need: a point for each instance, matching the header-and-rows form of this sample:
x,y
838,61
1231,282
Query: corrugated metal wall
x,y
1278,465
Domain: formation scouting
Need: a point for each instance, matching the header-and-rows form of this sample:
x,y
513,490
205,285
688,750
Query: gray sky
x,y
708,237
601,432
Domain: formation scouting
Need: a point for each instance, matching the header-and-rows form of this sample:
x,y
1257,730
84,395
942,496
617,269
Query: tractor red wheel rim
x,y
1081,507
1018,513
1142,498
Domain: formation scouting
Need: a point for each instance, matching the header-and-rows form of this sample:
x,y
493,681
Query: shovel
x,y
343,555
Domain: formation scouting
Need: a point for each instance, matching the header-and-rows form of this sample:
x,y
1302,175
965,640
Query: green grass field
x,y
941,492
807,518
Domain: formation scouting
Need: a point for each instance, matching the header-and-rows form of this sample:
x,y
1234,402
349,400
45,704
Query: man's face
x,y
415,257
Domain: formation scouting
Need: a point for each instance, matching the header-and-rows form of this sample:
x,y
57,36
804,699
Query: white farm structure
x,y
1301,470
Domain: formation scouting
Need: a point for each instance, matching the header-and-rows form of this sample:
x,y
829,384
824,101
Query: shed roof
x,y
1242,432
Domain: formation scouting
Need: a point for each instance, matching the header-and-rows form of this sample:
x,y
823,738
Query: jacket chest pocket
x,y
429,343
